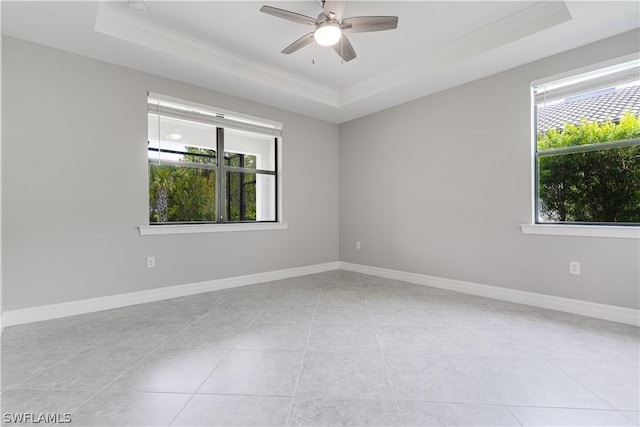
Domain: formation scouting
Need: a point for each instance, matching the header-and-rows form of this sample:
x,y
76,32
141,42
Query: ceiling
x,y
231,47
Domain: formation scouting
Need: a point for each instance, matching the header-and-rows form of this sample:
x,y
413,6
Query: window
x,y
587,147
210,166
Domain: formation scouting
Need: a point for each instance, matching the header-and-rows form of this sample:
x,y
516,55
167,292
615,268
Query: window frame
x,y
582,229
222,223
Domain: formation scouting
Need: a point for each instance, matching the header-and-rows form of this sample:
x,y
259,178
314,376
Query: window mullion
x,y
588,147
220,178
249,170
182,164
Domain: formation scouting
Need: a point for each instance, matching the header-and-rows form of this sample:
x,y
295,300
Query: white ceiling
x,y
229,46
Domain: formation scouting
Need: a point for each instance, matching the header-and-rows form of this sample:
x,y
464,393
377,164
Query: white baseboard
x,y
584,308
72,308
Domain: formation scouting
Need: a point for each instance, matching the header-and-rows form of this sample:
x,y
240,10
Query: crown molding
x,y
130,28
535,18
125,26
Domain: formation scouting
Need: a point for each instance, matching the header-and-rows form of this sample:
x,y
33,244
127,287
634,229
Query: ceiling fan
x,y
330,27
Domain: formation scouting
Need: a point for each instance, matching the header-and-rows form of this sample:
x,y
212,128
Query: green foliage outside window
x,y
594,186
181,194
188,193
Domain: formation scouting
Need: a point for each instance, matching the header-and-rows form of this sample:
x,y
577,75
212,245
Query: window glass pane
x,y
240,160
596,186
181,194
171,139
250,197
249,150
588,147
599,116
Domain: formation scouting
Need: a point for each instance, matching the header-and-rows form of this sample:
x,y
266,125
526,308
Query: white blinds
x,y
220,118
588,82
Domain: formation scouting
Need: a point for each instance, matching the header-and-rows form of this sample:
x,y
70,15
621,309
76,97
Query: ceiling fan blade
x,y
289,16
345,49
334,6
365,24
299,44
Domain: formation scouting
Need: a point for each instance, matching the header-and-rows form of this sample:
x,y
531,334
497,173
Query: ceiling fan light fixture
x,y
327,34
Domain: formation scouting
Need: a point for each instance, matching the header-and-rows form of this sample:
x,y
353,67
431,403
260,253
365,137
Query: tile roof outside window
x,y
599,105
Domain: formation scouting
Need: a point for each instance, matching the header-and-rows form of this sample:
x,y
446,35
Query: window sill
x,y
154,230
611,231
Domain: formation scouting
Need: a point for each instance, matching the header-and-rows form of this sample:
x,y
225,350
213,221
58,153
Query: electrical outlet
x,y
574,267
358,245
151,262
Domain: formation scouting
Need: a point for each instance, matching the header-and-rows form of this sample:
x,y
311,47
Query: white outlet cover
x,y
574,267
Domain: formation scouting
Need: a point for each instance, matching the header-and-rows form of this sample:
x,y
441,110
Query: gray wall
x,y
437,186
75,185
440,185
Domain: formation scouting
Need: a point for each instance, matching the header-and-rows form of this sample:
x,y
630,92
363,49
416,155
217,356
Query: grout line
x,y
263,308
39,371
621,411
384,361
513,415
579,383
126,371
304,353
154,350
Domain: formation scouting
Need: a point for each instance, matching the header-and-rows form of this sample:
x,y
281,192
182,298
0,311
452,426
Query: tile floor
x,y
336,348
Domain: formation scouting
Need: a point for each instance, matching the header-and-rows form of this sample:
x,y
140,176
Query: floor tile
x,y
529,416
145,334
421,377
342,338
490,342
274,336
286,314
21,334
340,315
355,341
225,410
342,282
300,298
616,381
418,339
130,409
212,334
7,348
389,298
180,310
255,372
36,402
401,316
239,315
171,370
375,284
317,412
301,284
89,370
27,360
344,376
241,296
437,301
535,382
633,416
342,298
81,334
452,414
576,343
